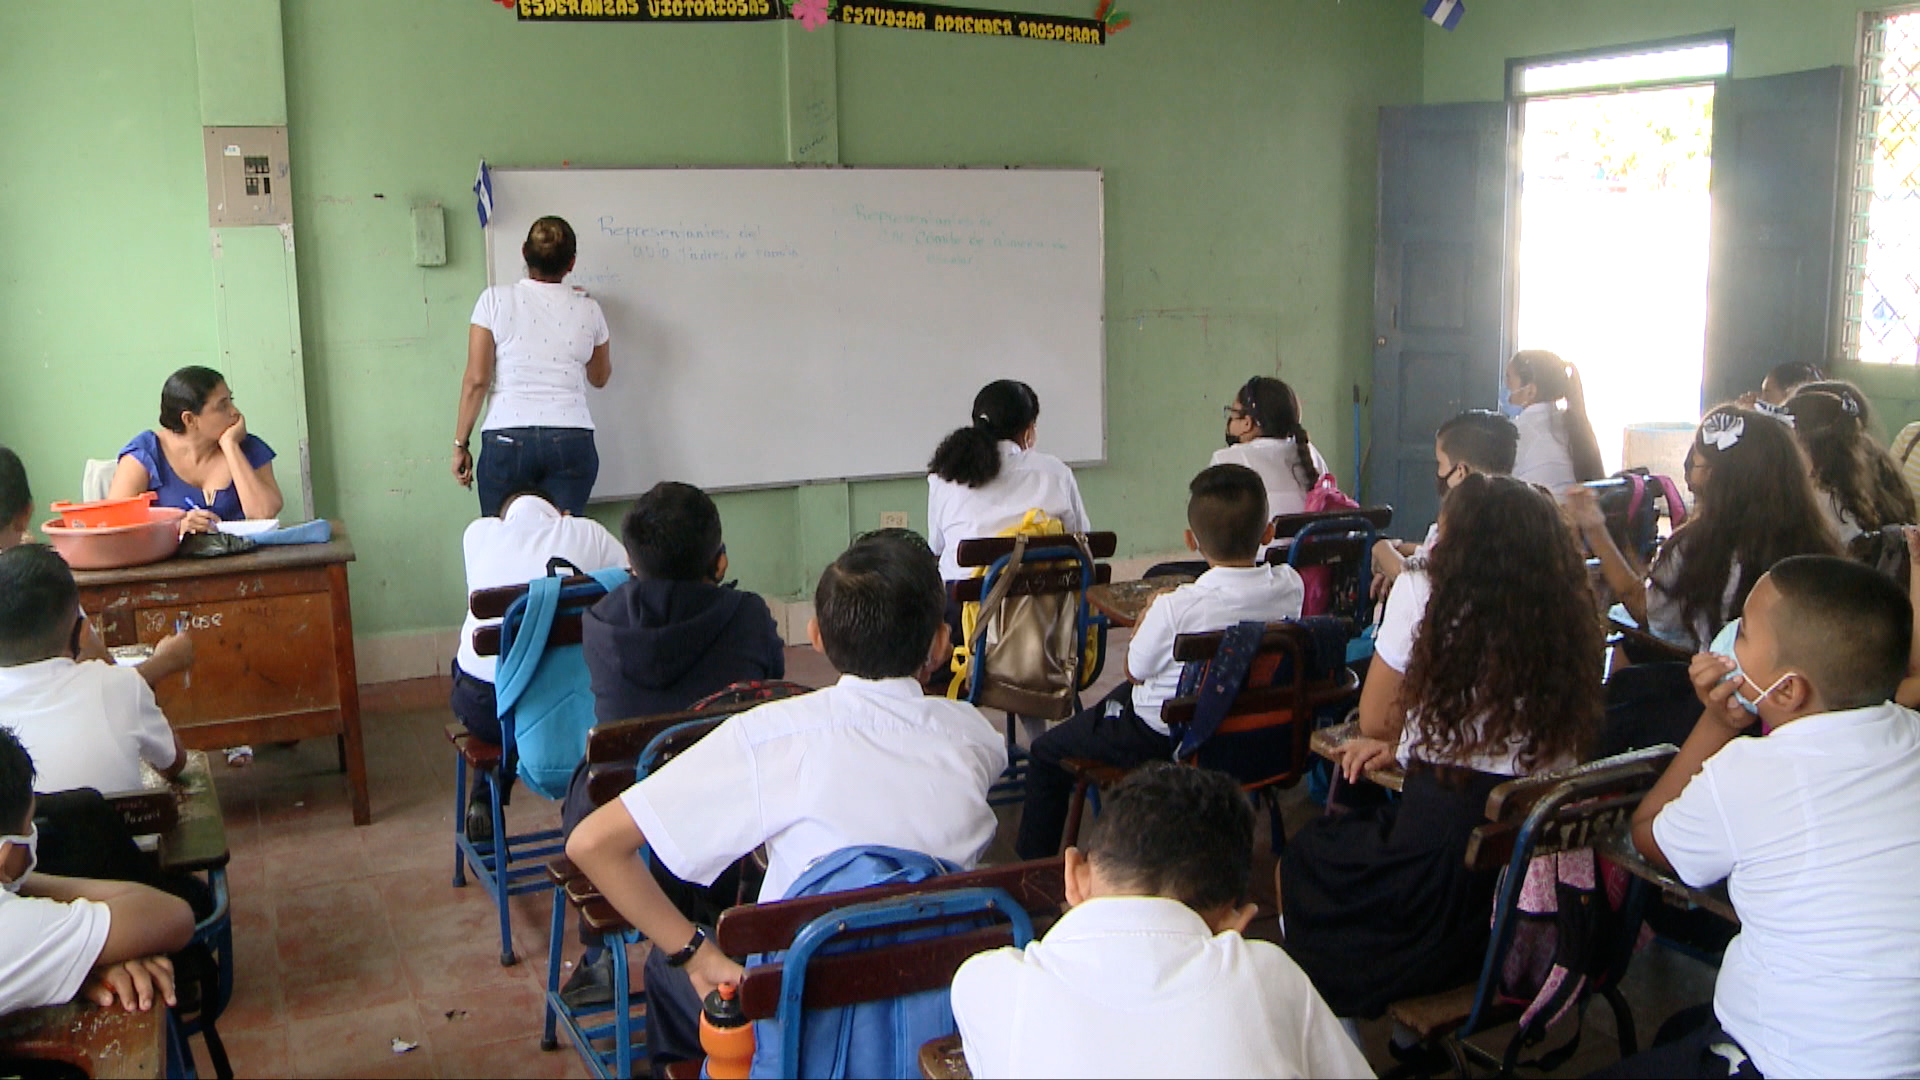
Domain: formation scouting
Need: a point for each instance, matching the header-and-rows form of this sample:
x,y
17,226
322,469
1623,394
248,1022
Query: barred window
x,y
1882,324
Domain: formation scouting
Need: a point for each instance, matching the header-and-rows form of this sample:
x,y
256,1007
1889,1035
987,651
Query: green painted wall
x,y
108,282
1237,138
1770,37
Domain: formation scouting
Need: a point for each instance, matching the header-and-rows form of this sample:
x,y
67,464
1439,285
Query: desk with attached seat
x,y
273,645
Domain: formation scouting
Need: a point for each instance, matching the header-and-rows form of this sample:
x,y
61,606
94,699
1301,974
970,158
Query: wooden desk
x,y
1619,849
1123,602
193,837
1330,739
273,645
103,1042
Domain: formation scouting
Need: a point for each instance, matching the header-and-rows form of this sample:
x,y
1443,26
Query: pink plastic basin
x,y
120,545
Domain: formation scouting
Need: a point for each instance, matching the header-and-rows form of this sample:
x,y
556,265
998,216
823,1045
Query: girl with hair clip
x,y
985,477
1378,904
1557,446
1754,504
1860,489
1264,433
1781,383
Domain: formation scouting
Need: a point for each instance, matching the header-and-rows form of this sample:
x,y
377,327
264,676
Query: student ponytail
x,y
1275,410
970,456
1557,380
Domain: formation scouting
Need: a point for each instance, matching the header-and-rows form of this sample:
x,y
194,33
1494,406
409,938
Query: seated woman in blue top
x,y
201,460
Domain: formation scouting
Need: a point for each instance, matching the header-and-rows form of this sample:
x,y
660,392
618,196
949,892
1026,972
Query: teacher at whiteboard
x,y
532,350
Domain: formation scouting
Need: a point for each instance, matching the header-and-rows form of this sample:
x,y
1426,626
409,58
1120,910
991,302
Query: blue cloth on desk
x,y
312,532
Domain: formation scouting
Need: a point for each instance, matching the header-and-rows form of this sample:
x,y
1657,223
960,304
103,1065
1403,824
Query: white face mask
x,y
31,842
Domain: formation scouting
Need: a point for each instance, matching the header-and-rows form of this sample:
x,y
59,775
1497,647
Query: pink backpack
x,y
1325,494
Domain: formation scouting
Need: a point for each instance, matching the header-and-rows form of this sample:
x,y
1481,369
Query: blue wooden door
x,y
1771,291
1440,290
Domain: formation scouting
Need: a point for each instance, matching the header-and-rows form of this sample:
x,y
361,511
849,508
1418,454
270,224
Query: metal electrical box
x,y
248,180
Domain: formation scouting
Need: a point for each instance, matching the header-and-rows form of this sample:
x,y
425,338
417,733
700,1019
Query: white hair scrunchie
x,y
1722,430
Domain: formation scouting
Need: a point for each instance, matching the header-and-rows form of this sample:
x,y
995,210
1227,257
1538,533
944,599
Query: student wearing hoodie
x,y
667,638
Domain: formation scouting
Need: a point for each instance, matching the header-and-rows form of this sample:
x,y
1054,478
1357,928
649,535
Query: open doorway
x,y
1614,221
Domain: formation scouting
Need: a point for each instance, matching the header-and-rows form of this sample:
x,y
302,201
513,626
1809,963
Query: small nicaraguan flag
x,y
483,194
1445,12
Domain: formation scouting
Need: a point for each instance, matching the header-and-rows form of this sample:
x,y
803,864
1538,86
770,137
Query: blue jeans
x,y
559,461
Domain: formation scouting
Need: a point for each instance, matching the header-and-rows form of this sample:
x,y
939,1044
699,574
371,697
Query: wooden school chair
x,y
88,1040
507,865
1264,740
189,835
1572,810
1016,567
1333,552
618,755
1028,896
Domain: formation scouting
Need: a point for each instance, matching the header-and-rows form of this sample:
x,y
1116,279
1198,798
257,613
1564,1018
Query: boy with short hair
x,y
172,654
1474,441
89,725
667,638
1815,828
870,760
1227,522
1148,974
61,935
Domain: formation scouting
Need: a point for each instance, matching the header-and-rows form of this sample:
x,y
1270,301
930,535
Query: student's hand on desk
x,y
1715,691
133,984
199,521
1360,754
710,967
173,652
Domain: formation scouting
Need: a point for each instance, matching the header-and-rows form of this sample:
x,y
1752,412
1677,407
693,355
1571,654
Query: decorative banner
x,y
813,14
910,15
648,10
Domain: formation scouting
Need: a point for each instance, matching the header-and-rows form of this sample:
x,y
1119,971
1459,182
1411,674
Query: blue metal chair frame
x,y
583,1025
1506,920
216,933
1360,647
877,915
507,865
1011,787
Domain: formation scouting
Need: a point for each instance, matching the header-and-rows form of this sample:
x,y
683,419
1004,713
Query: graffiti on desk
x,y
162,623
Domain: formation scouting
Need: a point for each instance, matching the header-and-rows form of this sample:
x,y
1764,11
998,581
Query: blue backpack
x,y
543,693
873,1038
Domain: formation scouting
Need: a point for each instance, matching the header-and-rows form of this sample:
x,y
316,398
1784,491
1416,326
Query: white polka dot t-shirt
x,y
543,335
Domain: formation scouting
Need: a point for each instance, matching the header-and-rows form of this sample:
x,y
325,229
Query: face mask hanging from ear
x,y
1722,645
31,842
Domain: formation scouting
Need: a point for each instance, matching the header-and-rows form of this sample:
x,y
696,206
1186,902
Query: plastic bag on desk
x,y
313,532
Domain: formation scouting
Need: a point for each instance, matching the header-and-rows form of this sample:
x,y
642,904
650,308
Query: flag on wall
x,y
483,194
1445,12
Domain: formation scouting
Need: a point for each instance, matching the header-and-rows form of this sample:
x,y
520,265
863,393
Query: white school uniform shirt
x,y
1141,986
1842,523
513,549
86,724
47,948
1816,830
1399,627
1028,480
862,762
1542,456
543,335
1222,596
1278,464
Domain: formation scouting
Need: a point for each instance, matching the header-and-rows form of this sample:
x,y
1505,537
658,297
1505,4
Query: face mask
x,y
1443,483
1231,441
31,842
1722,645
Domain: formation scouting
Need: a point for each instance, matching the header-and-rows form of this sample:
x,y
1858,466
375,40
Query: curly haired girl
x,y
1501,682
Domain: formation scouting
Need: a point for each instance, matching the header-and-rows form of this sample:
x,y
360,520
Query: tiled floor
x,y
347,939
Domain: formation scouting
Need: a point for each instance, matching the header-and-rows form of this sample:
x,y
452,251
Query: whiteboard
x,y
780,326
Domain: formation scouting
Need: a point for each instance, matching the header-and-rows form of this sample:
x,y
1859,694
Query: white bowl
x,y
249,527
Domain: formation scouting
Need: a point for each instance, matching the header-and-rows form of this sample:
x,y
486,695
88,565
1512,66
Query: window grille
x,y
1882,324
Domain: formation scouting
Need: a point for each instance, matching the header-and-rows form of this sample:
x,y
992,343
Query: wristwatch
x,y
680,958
